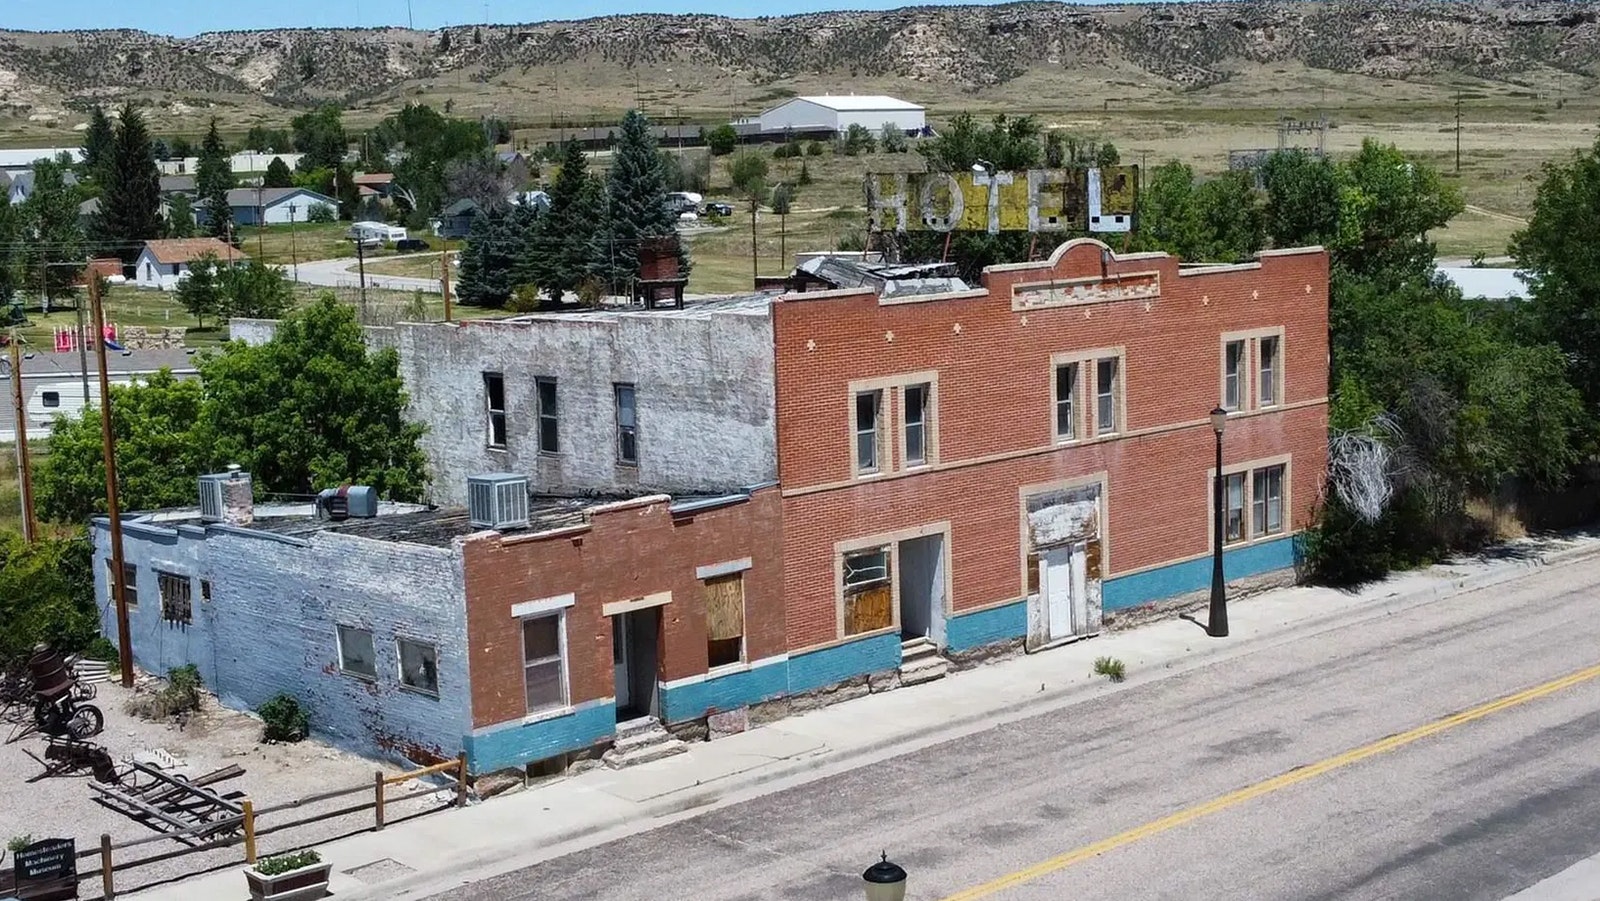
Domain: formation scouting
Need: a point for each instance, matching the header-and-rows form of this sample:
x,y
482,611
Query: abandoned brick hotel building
x,y
779,494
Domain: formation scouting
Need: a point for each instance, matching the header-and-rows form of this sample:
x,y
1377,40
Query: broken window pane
x,y
916,425
867,405
1066,400
494,392
176,600
419,665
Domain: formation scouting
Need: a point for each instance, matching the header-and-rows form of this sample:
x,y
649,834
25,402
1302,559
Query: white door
x,y
1056,584
619,659
1064,583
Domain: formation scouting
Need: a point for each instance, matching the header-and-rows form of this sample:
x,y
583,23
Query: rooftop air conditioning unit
x,y
497,500
213,503
339,504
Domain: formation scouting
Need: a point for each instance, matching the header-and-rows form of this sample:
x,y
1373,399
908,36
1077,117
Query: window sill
x,y
497,448
412,689
359,677
728,669
549,713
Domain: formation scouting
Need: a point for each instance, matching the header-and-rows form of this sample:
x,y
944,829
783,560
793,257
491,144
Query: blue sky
x,y
188,17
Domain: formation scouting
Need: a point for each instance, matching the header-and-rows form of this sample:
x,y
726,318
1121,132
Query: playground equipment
x,y
67,338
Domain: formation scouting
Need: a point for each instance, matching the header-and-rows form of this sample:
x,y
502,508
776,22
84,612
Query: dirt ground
x,y
62,806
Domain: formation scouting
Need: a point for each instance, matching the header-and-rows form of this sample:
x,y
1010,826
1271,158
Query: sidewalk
x,y
432,853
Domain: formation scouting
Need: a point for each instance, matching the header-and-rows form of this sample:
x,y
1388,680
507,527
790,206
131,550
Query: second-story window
x,y
1105,383
1267,376
916,401
549,423
869,406
627,425
494,394
1233,375
1066,401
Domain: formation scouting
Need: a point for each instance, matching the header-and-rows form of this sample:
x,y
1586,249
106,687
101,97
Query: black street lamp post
x,y
1217,621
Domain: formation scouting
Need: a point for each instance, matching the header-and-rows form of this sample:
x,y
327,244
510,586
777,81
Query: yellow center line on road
x,y
1276,783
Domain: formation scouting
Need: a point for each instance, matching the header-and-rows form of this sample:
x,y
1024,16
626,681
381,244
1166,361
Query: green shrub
x,y
1111,668
283,863
320,212
813,148
283,718
101,648
525,299
180,695
18,842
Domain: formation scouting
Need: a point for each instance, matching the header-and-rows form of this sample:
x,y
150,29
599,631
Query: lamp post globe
x,y
1217,619
885,881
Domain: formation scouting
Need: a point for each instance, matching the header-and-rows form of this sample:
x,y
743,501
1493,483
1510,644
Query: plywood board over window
x,y
724,619
868,592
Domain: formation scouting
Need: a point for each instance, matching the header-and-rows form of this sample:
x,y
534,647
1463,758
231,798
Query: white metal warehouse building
x,y
838,113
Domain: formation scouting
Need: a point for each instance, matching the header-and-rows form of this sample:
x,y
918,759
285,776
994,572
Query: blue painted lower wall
x,y
1193,575
818,669
987,626
518,744
683,702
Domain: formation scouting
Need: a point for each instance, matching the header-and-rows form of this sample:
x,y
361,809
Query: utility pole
x,y
83,346
1458,132
261,226
294,251
119,587
30,527
444,278
361,262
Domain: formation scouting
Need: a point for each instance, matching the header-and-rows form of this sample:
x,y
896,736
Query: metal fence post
x,y
377,792
108,885
461,779
249,830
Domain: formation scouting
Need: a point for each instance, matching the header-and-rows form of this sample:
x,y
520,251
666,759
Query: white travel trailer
x,y
370,233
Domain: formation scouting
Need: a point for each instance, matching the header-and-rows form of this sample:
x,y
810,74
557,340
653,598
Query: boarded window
x,y
419,665
176,601
543,670
868,598
356,654
724,620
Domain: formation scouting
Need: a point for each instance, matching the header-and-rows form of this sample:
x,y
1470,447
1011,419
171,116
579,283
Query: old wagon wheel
x,y
86,721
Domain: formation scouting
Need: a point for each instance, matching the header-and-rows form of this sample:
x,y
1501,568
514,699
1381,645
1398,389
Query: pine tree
x,y
10,220
278,174
130,207
99,141
180,217
572,229
213,180
636,189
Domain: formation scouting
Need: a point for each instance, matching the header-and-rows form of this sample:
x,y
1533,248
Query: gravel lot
x,y
215,737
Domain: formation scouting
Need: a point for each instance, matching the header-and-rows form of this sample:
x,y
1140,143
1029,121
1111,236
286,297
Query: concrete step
x,y
922,670
645,754
637,726
918,649
630,743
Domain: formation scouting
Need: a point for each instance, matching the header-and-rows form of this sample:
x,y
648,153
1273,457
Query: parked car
x,y
406,245
718,208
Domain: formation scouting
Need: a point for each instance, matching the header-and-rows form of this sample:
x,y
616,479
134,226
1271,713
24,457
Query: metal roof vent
x,y
497,500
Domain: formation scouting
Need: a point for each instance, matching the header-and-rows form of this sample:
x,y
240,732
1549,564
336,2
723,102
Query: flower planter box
x,y
301,884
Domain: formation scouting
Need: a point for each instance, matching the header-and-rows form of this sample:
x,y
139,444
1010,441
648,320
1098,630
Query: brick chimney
x,y
658,258
238,500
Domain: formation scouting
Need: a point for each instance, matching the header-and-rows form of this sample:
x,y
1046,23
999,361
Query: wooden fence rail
x,y
249,832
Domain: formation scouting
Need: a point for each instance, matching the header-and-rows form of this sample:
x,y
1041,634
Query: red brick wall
x,y
995,425
622,554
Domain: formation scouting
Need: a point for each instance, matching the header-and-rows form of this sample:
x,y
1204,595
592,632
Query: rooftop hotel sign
x,y
1036,200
